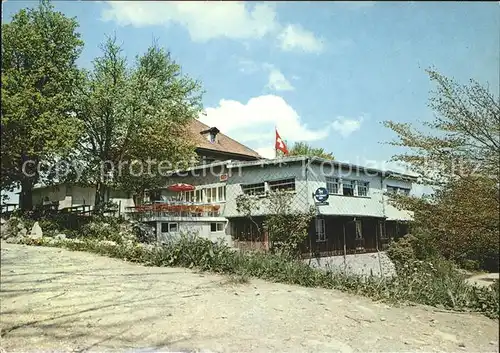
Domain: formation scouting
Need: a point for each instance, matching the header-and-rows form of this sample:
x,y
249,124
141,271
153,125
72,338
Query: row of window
x,y
347,187
272,185
335,186
205,194
173,227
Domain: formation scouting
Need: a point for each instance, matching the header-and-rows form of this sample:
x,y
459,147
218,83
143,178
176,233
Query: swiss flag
x,y
280,145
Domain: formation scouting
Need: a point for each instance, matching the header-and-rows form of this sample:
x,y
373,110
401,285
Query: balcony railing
x,y
173,209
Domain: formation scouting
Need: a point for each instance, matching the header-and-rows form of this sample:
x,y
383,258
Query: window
x,y
216,227
332,185
348,187
221,191
363,188
398,190
173,227
392,189
282,185
253,189
189,196
169,227
320,230
404,191
199,195
211,195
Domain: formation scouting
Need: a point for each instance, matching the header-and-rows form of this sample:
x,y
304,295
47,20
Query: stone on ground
x,y
36,231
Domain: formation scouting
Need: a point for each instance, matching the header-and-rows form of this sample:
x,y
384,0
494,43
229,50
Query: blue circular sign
x,y
321,194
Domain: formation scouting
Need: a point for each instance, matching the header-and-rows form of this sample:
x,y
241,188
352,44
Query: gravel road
x,y
57,300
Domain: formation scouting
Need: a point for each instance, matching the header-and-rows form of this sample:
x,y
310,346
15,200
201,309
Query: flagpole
x,y
275,150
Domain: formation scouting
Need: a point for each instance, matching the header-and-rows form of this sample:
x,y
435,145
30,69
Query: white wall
x,y
201,228
300,200
375,204
56,193
371,205
82,195
392,212
74,195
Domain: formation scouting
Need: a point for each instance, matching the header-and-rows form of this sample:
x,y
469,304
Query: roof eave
x,y
229,153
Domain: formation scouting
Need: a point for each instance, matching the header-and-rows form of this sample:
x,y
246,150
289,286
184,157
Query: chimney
x,y
211,134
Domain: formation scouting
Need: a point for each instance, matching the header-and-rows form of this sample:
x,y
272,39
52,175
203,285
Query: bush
x,y
469,265
49,226
402,250
102,231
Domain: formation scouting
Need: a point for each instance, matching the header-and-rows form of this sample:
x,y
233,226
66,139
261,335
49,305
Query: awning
x,y
181,187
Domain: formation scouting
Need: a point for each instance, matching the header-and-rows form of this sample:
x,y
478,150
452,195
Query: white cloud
x,y
208,20
203,20
266,152
253,122
249,66
346,126
294,37
278,82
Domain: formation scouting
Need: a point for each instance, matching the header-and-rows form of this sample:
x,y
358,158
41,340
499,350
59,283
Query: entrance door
x,y
320,230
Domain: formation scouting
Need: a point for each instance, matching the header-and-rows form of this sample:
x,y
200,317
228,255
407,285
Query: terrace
x,y
173,209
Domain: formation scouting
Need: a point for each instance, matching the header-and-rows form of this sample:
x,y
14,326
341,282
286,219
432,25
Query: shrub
x,y
469,265
49,226
402,250
102,231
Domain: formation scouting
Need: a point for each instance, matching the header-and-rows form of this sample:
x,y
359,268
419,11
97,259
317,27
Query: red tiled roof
x,y
223,142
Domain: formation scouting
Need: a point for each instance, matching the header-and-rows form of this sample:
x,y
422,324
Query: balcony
x,y
173,210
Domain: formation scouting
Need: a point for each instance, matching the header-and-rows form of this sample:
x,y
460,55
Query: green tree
x,y
135,118
39,75
458,154
304,149
287,228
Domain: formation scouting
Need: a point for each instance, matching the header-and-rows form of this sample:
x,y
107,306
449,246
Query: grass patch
x,y
417,281
237,279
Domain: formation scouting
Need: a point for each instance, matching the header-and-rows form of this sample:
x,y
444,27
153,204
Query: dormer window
x,y
211,134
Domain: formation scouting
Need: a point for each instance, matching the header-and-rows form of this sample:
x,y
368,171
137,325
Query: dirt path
x,y
483,279
53,299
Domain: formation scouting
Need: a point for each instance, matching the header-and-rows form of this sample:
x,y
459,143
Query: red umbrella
x,y
181,187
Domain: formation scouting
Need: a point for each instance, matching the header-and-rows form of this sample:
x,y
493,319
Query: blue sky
x,y
323,72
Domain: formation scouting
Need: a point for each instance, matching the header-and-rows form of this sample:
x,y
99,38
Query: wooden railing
x,y
8,208
81,209
174,210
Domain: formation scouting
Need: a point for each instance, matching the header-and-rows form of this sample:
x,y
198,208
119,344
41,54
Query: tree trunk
x,y
100,194
29,168
26,195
